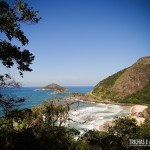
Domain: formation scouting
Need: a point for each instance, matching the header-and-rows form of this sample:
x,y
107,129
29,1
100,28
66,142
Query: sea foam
x,y
94,115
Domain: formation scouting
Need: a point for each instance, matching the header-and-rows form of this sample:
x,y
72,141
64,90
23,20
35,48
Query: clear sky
x,y
80,42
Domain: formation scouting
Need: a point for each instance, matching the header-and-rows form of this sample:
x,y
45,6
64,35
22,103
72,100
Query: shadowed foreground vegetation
x,y
41,127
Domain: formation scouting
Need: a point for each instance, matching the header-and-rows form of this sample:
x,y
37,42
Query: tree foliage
x,y
38,128
12,15
42,127
118,136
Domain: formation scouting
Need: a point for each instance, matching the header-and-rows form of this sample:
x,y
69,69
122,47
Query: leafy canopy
x,y
11,17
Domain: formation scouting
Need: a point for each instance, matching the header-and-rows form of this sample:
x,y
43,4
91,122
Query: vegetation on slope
x,y
134,78
104,88
131,85
140,97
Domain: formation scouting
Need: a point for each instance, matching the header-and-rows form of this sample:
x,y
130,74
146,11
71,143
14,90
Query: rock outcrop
x,y
139,112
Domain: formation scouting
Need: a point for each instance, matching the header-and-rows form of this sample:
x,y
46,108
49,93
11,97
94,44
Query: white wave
x,y
91,113
101,104
88,110
87,126
91,117
86,101
93,124
114,106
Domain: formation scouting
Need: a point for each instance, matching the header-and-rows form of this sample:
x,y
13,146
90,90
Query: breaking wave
x,y
93,115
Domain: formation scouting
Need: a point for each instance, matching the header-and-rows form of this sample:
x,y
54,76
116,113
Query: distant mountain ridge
x,y
128,85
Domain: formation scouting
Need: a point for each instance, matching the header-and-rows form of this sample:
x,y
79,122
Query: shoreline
x,y
136,111
84,99
108,102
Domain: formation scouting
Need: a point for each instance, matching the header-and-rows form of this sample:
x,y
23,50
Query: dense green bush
x,y
42,128
118,136
38,128
140,97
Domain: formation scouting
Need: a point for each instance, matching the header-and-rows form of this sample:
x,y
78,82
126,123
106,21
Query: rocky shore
x,y
84,98
139,112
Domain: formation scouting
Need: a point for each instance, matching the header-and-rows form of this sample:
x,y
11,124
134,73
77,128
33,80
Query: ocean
x,y
86,116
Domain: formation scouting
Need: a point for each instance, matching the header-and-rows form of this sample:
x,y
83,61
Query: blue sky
x,y
80,42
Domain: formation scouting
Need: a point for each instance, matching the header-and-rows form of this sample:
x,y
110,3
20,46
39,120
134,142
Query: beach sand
x,y
136,113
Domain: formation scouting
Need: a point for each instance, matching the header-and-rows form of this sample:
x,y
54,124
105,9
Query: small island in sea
x,y
57,89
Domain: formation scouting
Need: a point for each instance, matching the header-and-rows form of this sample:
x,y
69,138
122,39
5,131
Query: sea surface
x,y
85,116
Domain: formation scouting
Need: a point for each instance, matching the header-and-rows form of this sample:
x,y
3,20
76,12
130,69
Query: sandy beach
x,y
138,112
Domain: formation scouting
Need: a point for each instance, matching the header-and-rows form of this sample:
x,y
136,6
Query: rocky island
x,y
57,89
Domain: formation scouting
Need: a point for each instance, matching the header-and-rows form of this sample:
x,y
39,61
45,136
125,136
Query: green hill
x,y
129,85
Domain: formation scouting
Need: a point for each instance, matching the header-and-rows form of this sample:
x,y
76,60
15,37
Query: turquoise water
x,y
95,114
34,97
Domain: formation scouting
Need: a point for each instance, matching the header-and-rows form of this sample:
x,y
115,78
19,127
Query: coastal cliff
x,y
131,85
